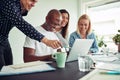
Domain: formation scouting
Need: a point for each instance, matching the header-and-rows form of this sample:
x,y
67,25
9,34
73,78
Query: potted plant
x,y
116,39
101,42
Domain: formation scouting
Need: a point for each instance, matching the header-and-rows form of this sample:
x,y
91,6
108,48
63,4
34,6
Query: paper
x,y
104,63
108,66
103,58
96,75
28,64
24,68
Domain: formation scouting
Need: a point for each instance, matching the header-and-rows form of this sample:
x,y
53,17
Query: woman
x,y
64,24
84,32
11,15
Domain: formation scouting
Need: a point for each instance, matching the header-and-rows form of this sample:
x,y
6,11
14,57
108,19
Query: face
x,y
83,25
28,4
64,19
55,21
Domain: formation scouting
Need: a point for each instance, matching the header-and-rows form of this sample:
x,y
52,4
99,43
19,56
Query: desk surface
x,y
70,72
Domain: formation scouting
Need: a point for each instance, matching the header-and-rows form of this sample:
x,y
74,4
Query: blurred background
x,y
104,15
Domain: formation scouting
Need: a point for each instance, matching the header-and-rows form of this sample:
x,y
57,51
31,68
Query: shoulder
x,y
29,42
9,1
39,28
73,33
91,34
28,39
12,5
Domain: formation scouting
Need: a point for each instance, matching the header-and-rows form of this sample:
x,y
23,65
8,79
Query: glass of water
x,y
105,50
84,63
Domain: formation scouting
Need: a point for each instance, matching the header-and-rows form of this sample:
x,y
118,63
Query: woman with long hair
x,y
84,32
64,24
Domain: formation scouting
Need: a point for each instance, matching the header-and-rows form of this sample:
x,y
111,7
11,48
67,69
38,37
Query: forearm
x,y
29,58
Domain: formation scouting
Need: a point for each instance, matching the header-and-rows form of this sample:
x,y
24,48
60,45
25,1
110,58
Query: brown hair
x,y
64,31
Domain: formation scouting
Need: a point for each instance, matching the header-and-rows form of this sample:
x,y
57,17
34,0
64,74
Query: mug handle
x,y
54,56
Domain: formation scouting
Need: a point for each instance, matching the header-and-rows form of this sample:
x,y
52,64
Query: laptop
x,y
80,47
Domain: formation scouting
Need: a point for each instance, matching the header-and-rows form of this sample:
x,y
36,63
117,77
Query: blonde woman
x,y
84,32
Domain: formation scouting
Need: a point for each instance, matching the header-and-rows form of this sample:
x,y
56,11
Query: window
x,y
105,21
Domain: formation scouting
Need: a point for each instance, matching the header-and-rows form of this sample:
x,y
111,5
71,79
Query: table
x,y
70,72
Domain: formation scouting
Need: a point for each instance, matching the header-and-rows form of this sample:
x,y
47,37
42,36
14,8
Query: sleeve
x,y
29,43
71,40
94,47
12,12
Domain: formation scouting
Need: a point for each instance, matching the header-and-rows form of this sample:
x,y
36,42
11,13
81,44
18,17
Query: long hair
x,y
64,31
84,16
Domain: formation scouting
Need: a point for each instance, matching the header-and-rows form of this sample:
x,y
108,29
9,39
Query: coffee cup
x,y
60,58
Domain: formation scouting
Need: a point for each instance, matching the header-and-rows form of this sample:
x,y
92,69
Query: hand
x,y
52,43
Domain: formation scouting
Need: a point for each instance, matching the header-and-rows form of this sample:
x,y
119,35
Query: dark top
x,y
10,16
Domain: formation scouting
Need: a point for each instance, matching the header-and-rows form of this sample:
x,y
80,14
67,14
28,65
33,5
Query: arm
x,y
30,49
29,55
71,40
52,43
94,47
11,11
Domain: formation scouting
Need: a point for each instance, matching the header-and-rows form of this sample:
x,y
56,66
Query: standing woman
x,y
64,24
11,15
84,32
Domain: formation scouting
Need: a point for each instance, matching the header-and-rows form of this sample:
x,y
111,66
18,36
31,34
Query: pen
x,y
111,72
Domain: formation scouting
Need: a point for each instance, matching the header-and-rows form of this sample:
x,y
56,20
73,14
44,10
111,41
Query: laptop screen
x,y
80,48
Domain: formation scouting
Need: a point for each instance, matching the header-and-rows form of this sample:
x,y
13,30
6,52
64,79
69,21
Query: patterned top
x,y
10,16
75,35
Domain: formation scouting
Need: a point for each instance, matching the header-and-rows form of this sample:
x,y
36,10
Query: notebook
x,y
26,68
80,47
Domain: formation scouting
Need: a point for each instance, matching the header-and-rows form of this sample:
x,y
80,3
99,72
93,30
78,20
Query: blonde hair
x,y
84,16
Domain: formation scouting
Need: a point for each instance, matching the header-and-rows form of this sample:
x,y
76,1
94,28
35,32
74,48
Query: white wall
x,y
36,17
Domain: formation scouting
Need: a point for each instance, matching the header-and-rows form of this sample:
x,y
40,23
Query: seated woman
x,y
63,29
84,32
